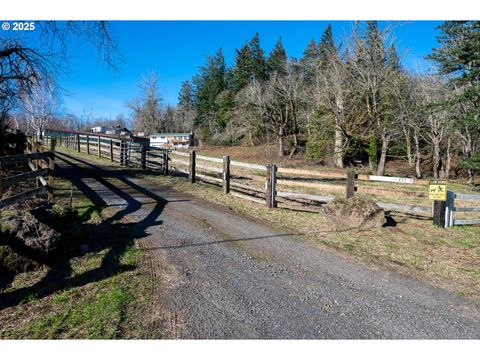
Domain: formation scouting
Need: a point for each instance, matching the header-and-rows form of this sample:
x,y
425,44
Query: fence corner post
x,y
51,170
99,148
351,176
191,167
226,174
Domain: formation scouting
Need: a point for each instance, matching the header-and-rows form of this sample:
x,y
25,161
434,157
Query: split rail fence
x,y
40,161
269,184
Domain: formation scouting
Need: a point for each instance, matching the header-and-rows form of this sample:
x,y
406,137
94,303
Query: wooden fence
x,y
268,184
41,162
264,182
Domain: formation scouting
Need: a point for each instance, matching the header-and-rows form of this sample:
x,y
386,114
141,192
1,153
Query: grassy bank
x,y
104,292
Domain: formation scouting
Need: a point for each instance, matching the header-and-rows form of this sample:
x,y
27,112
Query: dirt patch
x,y
32,238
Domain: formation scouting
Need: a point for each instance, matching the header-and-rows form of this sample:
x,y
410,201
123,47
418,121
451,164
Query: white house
x,y
171,140
98,129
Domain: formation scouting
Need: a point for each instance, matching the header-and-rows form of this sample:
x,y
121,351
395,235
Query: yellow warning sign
x,y
437,190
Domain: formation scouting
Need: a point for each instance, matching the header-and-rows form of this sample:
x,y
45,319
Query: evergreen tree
x,y
277,60
309,61
458,57
258,59
186,96
242,70
210,82
326,47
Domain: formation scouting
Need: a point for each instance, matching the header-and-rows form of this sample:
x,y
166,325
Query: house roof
x,y
171,134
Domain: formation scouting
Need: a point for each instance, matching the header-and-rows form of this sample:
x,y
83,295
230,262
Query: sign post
x,y
437,191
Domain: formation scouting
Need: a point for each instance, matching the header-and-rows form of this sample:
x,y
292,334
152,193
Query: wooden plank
x,y
391,179
466,222
23,196
338,188
294,195
12,180
248,165
466,209
467,197
405,208
19,159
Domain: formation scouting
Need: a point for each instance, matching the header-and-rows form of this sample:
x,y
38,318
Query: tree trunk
x,y
436,157
468,153
449,159
383,156
418,170
408,145
280,142
295,146
338,155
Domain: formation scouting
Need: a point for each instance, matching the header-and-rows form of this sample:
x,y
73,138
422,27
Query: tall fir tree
x,y
258,59
210,82
277,60
309,61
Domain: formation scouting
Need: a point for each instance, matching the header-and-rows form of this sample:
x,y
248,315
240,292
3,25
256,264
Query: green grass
x,y
117,305
103,310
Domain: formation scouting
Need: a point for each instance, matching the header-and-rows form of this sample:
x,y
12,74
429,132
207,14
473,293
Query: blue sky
x,y
175,50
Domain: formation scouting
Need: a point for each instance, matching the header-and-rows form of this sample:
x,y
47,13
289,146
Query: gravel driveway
x,y
219,275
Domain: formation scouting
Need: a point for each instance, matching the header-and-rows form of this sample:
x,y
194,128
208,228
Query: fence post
x,y
78,142
439,213
270,186
99,148
351,176
51,170
191,167
226,174
165,162
274,186
111,150
88,145
143,153
1,182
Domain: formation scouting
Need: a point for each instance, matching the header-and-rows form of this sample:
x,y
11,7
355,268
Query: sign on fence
x,y
437,190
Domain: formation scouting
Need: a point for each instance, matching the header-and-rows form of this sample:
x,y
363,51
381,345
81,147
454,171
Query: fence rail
x,y
41,162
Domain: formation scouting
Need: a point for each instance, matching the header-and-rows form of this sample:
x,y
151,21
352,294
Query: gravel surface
x,y
219,275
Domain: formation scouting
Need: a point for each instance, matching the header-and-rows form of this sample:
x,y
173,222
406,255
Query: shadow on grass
x,y
110,235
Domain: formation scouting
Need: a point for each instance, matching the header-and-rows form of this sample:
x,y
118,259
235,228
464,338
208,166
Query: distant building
x,y
118,130
171,140
98,129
